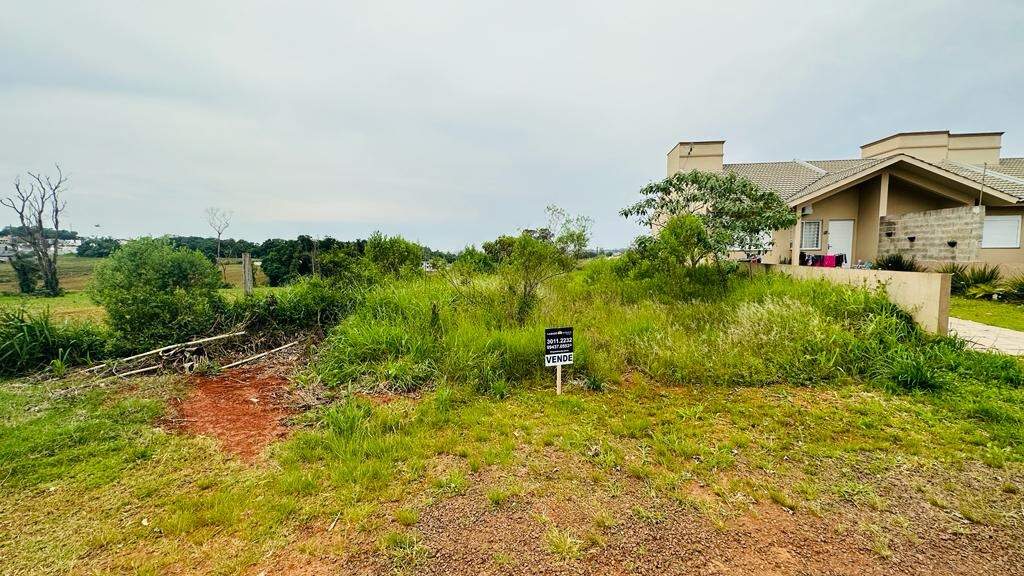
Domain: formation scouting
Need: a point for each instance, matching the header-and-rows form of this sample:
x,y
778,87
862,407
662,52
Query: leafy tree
x,y
23,232
733,210
530,263
345,267
684,241
155,294
570,233
472,260
393,255
499,249
536,257
97,247
278,260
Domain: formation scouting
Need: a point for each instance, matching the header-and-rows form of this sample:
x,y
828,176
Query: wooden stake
x,y
558,379
247,273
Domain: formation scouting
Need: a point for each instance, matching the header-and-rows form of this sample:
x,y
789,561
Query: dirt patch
x,y
244,408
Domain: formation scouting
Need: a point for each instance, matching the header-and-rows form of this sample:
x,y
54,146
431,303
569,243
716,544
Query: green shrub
x,y
155,294
26,269
984,274
958,276
345,267
898,263
33,341
393,255
1014,288
985,291
97,247
309,302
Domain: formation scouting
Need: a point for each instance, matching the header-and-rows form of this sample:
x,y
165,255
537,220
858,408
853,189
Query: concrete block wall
x,y
932,230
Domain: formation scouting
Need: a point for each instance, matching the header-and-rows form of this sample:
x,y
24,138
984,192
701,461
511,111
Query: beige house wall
x,y
905,198
1011,260
865,244
842,206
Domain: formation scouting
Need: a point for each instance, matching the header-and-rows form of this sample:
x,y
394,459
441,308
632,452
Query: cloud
x,y
452,122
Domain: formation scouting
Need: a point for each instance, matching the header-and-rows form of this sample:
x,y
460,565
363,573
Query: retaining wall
x,y
925,295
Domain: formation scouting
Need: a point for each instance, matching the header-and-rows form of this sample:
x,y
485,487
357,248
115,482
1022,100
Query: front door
x,y
840,238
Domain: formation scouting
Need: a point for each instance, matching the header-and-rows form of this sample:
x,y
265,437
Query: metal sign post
x,y
558,350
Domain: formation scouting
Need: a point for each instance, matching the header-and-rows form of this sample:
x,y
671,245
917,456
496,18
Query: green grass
x,y
73,272
778,394
1002,314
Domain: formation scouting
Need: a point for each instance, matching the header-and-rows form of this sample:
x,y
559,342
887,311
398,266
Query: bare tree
x,y
37,203
219,220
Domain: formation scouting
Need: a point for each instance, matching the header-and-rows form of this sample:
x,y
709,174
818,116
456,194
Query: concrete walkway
x,y
985,337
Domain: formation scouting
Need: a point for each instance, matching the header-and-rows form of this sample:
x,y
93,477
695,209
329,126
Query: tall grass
x,y
32,341
768,329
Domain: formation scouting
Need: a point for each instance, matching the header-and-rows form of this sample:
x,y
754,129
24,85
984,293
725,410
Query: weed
x,y
782,499
498,496
563,543
407,516
405,548
451,484
879,541
604,520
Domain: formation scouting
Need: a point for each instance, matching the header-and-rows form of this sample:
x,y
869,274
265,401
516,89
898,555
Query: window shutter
x,y
1001,232
810,233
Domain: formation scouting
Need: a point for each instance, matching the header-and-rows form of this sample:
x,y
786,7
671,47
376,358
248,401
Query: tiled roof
x,y
795,179
1007,176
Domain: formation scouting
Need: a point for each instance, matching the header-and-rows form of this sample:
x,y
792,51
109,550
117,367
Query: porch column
x,y
883,196
795,251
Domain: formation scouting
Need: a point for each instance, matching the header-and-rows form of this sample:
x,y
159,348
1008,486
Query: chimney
x,y
706,156
938,146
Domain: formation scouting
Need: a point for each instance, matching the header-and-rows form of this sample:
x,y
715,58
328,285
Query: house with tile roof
x,y
936,196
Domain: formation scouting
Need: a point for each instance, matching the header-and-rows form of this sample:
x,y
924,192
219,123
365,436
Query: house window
x,y
810,235
1001,232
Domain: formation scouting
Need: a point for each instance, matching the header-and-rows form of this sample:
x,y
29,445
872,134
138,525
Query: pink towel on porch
x,y
829,261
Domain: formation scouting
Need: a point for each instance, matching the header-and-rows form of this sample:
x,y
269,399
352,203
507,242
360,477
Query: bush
x,y
531,263
898,263
32,341
310,302
958,276
393,255
472,261
982,275
97,247
985,291
345,268
155,294
282,261
1015,288
26,268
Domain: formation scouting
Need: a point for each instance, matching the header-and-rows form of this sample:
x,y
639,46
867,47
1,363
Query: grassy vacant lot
x,y
1004,314
75,274
785,427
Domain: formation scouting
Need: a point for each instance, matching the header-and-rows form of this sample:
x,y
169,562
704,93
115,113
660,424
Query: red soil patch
x,y
243,408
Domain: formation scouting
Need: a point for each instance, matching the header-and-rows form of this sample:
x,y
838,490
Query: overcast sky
x,y
452,122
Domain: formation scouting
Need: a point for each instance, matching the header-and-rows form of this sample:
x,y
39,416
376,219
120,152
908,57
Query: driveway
x,y
985,337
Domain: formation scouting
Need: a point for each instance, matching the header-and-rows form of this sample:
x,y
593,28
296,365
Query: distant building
x,y
935,196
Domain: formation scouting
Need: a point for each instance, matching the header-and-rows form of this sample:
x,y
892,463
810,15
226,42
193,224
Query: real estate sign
x,y
558,346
